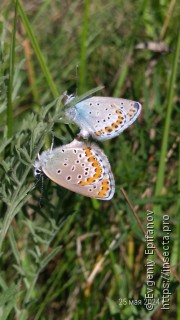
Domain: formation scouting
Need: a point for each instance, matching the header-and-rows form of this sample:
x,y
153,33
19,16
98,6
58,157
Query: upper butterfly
x,y
102,118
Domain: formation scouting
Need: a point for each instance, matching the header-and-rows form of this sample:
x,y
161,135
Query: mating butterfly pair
x,y
83,167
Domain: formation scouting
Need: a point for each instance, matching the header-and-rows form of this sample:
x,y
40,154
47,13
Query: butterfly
x,y
79,166
102,118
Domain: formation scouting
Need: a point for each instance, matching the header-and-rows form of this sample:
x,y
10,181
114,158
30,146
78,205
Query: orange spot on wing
x,y
130,113
114,125
98,170
105,184
90,180
91,159
101,194
86,182
98,173
98,133
108,129
87,151
82,183
104,188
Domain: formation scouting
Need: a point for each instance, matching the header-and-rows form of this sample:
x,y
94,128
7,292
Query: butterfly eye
x,y
37,172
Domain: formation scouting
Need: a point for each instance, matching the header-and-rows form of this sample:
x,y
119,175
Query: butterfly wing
x,y
82,168
103,117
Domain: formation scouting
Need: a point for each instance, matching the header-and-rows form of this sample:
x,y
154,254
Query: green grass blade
x,y
37,51
123,75
10,81
82,67
178,239
83,96
126,65
161,168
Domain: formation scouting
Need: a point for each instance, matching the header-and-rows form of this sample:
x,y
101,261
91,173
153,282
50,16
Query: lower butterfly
x,y
80,167
102,118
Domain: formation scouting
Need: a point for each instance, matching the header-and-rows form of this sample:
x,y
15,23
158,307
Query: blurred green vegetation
x,y
64,256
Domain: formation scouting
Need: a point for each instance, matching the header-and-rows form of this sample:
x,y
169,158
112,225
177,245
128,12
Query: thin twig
x,y
145,233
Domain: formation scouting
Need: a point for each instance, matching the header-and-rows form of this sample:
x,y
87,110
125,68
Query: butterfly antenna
x,y
77,67
42,190
38,178
52,144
